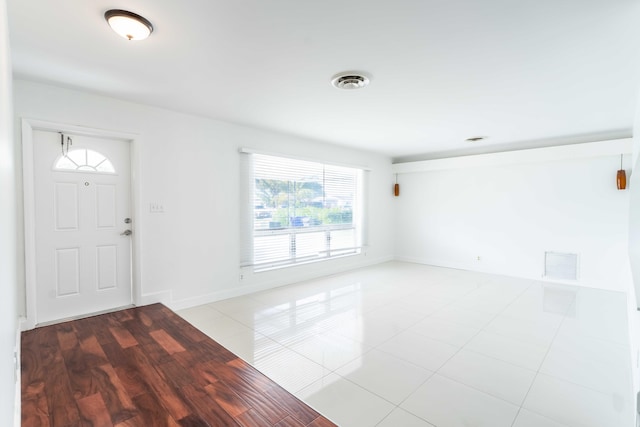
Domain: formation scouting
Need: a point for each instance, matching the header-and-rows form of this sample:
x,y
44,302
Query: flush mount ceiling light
x,y
129,25
349,81
476,138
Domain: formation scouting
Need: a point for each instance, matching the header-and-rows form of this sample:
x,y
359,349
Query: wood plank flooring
x,y
146,367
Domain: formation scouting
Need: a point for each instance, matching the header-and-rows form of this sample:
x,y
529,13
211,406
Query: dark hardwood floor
x,y
147,367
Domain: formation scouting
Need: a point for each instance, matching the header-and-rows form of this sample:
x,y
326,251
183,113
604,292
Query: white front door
x,y
82,208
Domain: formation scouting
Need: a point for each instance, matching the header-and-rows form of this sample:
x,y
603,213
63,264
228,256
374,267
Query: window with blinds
x,y
299,211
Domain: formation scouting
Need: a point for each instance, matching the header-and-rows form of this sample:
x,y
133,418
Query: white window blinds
x,y
298,211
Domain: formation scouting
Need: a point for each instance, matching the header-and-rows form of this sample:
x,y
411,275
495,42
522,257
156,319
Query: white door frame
x,y
28,126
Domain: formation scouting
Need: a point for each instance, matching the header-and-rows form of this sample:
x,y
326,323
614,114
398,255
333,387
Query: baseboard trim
x,y
163,297
270,284
25,324
467,267
17,415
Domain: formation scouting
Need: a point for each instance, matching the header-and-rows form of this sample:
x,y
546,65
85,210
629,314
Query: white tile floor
x,y
407,345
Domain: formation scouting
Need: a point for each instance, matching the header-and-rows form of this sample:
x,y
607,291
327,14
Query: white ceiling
x,y
523,72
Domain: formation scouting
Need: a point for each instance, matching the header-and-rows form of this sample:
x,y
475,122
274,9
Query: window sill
x,y
272,267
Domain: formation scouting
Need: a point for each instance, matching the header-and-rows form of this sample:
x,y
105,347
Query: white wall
x,y
8,316
634,253
634,213
190,254
510,214
634,258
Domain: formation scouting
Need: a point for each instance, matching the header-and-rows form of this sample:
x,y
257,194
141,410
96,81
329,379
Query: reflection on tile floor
x,y
402,344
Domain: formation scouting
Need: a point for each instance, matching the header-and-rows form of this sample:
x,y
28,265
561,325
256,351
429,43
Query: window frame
x,y
358,224
79,167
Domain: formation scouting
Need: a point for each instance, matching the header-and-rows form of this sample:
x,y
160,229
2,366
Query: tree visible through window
x,y
303,211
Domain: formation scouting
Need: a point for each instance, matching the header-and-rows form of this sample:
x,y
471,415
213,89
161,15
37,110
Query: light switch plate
x,y
156,207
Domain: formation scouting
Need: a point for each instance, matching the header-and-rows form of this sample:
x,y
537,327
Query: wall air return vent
x,y
560,266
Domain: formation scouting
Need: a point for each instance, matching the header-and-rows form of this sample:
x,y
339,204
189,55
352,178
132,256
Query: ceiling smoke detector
x,y
476,138
349,81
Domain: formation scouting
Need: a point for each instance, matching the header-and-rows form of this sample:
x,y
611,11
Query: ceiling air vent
x,y
560,266
349,81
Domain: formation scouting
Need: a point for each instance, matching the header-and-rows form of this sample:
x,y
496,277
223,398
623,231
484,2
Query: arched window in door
x,y
84,160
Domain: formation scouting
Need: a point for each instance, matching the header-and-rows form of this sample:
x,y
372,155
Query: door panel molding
x,y
67,266
29,321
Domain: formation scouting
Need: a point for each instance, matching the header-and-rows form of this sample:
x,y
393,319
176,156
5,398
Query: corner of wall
x,y
8,271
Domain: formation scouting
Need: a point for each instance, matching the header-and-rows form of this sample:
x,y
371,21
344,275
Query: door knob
x,y
126,233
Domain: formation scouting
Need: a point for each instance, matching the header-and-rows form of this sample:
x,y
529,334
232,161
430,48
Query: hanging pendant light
x,y
621,177
129,25
396,188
